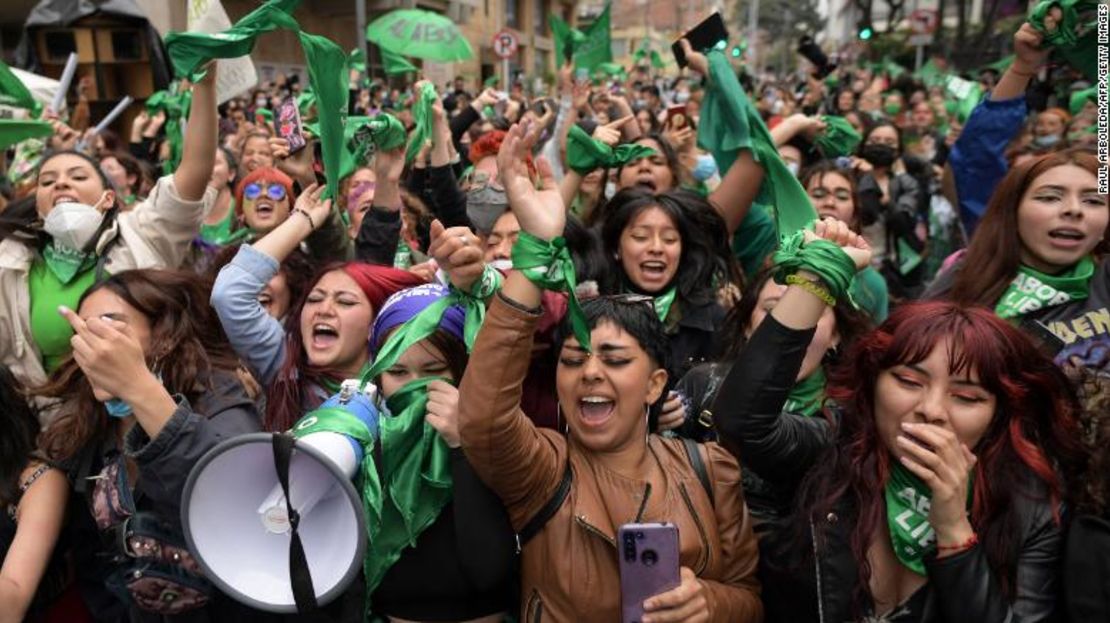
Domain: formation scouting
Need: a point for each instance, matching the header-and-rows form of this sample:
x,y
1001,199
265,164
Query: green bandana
x,y
306,104
66,263
1032,290
838,139
550,267
13,131
908,500
729,123
363,135
423,118
820,257
175,105
808,395
663,303
356,61
1075,37
327,69
14,93
584,154
395,64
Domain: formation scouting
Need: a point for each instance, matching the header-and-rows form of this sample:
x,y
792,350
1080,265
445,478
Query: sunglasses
x,y
273,191
841,194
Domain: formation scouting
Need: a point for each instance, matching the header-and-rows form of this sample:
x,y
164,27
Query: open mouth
x,y
64,199
1066,234
595,410
647,182
653,270
264,209
324,335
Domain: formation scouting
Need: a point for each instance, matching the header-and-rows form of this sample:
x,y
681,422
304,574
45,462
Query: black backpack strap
x,y
694,454
299,576
540,519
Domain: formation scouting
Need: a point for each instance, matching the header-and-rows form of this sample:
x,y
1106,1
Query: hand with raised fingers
x,y
541,212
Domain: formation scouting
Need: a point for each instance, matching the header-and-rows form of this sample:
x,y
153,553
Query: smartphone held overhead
x,y
709,34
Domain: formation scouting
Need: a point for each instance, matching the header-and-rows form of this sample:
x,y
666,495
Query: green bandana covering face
x,y
1074,36
550,267
908,501
584,153
808,395
838,139
327,69
1032,290
423,118
729,123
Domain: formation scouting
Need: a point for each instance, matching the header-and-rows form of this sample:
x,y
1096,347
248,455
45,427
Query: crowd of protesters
x,y
900,414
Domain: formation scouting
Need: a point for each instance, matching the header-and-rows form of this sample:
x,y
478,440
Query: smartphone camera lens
x,y
649,558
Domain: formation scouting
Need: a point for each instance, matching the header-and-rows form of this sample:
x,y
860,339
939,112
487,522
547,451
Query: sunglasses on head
x,y
273,191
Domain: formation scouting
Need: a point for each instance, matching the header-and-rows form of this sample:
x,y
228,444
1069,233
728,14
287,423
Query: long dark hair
x,y
1030,443
706,262
994,254
187,346
18,429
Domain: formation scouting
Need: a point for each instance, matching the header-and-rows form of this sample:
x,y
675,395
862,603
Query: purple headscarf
x,y
404,305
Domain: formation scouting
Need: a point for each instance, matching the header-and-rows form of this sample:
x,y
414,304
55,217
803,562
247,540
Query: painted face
x,y
105,303
420,361
927,392
605,395
275,297
265,205
67,178
824,339
499,243
650,250
256,154
1061,218
832,196
651,172
335,324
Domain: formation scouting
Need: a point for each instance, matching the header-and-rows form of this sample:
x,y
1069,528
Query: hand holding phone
x,y
289,125
709,34
649,565
676,117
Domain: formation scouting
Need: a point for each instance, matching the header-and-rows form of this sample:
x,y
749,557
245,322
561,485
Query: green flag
x,y
395,63
13,131
327,73
657,61
595,47
14,93
966,94
422,117
930,74
1071,28
175,105
356,60
565,35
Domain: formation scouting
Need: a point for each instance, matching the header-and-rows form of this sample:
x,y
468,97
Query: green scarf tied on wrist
x,y
190,52
1032,290
584,153
838,139
415,468
808,395
1074,36
174,104
423,119
729,123
550,266
427,321
820,257
908,500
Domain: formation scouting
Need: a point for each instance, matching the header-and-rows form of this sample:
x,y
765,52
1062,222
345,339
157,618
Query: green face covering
x,y
808,395
1032,290
584,153
908,501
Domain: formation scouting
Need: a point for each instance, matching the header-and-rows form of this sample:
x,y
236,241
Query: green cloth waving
x,y
14,93
395,63
174,104
423,118
13,131
730,123
1071,27
584,153
1032,290
838,139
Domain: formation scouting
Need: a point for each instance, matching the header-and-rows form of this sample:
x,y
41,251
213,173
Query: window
x,y
539,17
512,14
619,47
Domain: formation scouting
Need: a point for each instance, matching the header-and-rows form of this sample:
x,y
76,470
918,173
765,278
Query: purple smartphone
x,y
289,125
648,564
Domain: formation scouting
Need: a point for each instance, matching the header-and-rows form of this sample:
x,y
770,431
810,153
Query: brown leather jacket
x,y
570,570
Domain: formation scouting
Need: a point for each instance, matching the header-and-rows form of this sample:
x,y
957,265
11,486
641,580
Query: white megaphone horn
x,y
236,520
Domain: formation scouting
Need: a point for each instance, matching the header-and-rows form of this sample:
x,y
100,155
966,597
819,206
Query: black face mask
x,y
879,155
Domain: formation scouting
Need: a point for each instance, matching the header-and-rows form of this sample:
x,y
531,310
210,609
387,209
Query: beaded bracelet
x,y
811,287
971,542
308,216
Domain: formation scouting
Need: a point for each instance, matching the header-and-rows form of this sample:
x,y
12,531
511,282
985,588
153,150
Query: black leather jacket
x,y
816,583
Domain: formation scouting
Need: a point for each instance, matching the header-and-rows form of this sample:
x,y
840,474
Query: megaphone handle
x,y
299,576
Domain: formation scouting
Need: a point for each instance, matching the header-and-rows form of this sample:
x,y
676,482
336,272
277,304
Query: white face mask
x,y
681,97
73,225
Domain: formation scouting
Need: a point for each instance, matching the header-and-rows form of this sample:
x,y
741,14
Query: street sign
x,y
923,22
505,44
921,39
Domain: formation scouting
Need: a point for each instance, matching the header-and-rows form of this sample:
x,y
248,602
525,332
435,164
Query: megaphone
x,y
236,520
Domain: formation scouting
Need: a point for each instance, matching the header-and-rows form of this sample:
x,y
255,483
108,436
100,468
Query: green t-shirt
x,y
50,331
222,233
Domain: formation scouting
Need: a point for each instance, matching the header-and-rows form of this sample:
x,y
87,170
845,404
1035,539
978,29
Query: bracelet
x,y
971,542
308,216
811,287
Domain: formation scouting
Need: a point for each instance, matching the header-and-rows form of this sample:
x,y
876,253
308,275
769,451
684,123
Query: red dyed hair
x,y
1032,438
287,395
489,144
268,175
